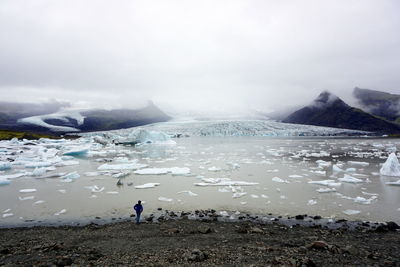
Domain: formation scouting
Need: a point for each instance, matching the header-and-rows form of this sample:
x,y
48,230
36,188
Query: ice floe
x,y
158,171
147,185
188,192
332,183
165,199
28,190
123,166
350,179
223,182
391,167
351,212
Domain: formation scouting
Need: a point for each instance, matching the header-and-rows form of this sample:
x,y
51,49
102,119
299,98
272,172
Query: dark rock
x,y
350,250
204,229
5,251
172,231
64,261
317,217
299,217
392,226
256,230
319,245
196,255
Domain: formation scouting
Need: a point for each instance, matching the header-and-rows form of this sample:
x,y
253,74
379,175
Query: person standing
x,y
138,208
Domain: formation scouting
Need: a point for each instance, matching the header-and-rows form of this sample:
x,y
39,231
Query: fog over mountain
x,y
222,56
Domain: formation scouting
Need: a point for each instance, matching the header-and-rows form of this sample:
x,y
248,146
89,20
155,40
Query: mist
x,y
210,56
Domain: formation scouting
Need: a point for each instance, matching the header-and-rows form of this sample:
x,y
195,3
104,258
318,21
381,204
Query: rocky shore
x,y
203,238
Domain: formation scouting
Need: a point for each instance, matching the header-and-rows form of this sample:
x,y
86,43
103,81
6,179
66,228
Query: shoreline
x,y
208,215
187,242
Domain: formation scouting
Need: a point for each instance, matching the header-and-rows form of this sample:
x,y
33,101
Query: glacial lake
x,y
273,176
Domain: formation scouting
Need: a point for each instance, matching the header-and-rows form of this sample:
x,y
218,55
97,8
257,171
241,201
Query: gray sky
x,y
214,55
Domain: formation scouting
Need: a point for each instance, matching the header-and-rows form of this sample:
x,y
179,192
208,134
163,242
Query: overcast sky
x,y
197,54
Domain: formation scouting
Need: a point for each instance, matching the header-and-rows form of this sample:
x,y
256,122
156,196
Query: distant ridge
x,y
55,120
379,103
331,111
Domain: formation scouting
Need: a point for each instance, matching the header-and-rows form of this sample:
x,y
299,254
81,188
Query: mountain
x,y
379,103
60,120
329,110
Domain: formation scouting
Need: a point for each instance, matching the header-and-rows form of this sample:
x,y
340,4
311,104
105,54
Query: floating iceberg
x,y
5,166
336,168
60,212
391,167
76,151
148,185
122,166
349,179
142,136
38,164
223,182
359,163
393,183
351,212
158,171
326,183
71,176
4,181
188,192
326,190
278,180
27,190
165,199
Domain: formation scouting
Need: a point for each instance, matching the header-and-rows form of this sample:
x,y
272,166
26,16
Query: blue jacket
x,y
138,208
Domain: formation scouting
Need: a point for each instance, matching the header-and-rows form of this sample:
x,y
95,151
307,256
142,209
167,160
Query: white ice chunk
x,y
60,212
38,164
4,181
349,179
5,215
95,188
27,190
351,212
67,163
223,182
239,194
158,171
326,183
359,163
38,202
39,171
112,192
123,166
278,180
71,176
311,202
214,169
165,199
26,198
393,183
336,168
295,176
4,165
148,185
190,193
224,213
326,190
142,136
391,167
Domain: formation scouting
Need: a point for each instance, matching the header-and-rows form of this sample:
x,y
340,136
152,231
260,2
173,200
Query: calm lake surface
x,y
281,167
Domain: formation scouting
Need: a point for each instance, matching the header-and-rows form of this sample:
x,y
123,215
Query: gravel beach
x,y
197,243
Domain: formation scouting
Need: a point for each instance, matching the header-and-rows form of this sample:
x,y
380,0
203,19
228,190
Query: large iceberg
x,y
391,167
142,136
